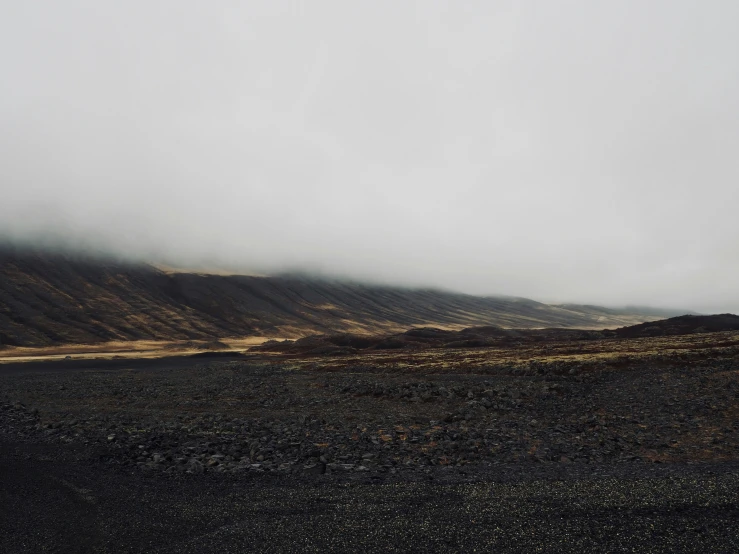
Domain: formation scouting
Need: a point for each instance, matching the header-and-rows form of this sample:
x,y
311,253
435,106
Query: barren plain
x,y
550,442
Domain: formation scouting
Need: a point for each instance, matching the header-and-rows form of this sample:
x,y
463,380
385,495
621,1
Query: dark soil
x,y
289,454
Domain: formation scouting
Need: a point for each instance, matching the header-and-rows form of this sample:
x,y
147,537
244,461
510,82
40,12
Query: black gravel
x,y
238,456
62,500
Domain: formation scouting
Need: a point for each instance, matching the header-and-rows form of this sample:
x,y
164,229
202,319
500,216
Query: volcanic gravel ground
x,y
256,456
60,499
246,416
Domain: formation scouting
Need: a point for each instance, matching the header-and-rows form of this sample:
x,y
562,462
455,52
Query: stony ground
x,y
61,500
352,456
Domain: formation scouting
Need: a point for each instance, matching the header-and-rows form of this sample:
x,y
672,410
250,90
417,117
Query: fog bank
x,y
568,152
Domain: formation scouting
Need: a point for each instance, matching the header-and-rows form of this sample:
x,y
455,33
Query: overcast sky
x,y
565,150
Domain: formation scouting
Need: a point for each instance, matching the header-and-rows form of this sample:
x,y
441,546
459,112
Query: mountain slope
x,y
50,299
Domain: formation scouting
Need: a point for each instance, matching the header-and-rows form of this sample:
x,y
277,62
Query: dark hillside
x,y
681,325
48,299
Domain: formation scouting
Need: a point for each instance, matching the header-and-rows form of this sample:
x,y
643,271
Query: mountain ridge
x,y
57,298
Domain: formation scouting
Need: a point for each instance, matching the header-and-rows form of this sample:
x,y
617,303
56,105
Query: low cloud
x,y
581,153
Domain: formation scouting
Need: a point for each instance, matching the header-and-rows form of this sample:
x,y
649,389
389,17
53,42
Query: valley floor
x,y
612,445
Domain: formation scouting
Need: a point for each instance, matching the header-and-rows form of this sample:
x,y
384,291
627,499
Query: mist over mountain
x,y
581,154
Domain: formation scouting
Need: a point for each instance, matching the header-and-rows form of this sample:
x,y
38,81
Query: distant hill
x,y
491,336
682,325
49,299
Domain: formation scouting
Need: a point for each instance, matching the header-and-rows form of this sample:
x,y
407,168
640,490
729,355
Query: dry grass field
x,y
127,349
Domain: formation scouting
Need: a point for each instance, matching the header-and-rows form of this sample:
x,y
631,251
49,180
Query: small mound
x,y
274,346
213,345
217,355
